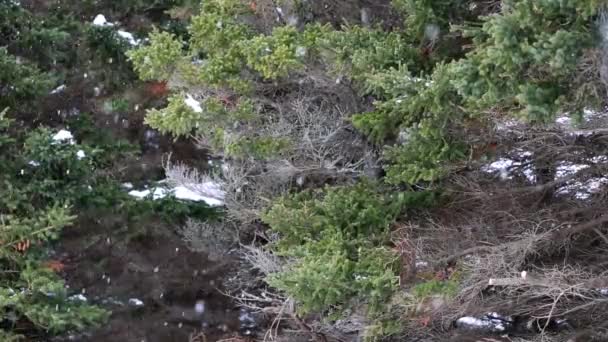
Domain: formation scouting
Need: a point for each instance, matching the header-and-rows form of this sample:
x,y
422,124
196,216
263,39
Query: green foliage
x,y
420,14
526,58
523,61
157,60
274,56
34,207
44,301
55,170
20,82
339,241
177,118
120,105
10,337
362,52
129,6
448,65
44,41
447,288
108,48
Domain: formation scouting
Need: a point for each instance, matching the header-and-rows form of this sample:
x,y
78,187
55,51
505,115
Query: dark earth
x,y
112,261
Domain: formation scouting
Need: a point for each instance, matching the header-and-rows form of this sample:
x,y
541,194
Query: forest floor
x,y
500,221
141,270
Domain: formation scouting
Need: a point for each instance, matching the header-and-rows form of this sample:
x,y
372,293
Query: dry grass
x,y
212,237
493,229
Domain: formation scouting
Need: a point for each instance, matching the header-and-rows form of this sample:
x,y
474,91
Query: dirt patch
x,y
149,280
140,270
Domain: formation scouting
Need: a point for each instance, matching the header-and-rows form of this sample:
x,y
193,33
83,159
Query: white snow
x,y
473,322
589,119
78,298
566,168
581,189
422,264
584,190
194,104
564,120
129,37
135,302
208,192
80,154
64,136
199,307
599,159
157,194
503,166
58,89
127,185
100,20
481,324
301,51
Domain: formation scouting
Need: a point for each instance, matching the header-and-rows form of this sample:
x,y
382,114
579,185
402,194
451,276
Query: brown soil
x,y
110,260
112,265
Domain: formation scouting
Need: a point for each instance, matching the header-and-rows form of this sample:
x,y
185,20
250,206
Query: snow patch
x,y
566,168
135,302
80,154
301,51
194,104
564,120
64,136
472,323
591,120
199,307
491,321
58,89
599,159
507,125
584,190
100,20
208,192
78,298
129,37
503,167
